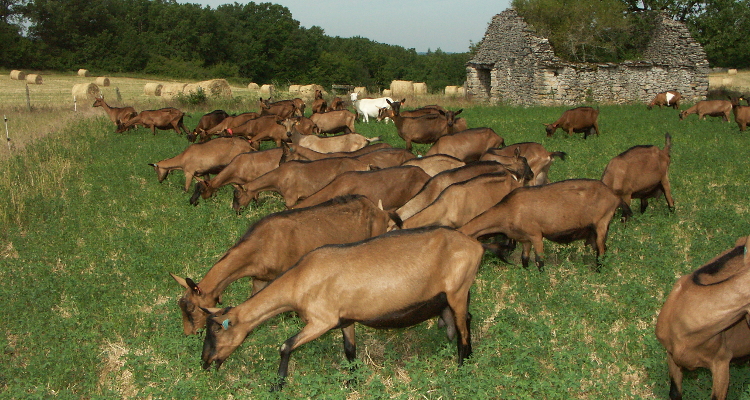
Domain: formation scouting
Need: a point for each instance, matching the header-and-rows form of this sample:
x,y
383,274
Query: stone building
x,y
515,66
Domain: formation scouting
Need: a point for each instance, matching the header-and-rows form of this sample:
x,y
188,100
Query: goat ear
x,y
459,111
193,286
180,281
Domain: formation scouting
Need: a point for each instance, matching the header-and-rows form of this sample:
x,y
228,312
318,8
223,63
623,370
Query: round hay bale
x,y
402,88
420,88
294,89
309,90
253,86
451,90
461,91
152,89
361,91
191,88
267,90
216,88
102,81
732,71
35,79
86,91
171,90
83,72
726,81
387,93
17,75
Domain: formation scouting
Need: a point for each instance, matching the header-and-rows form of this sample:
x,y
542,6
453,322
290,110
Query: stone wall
x,y
515,66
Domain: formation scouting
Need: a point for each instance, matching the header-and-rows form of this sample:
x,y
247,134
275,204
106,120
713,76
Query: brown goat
x,y
334,121
432,189
712,108
274,244
386,158
460,202
704,321
515,164
319,104
641,172
207,122
393,186
283,108
241,170
118,115
581,119
339,143
435,163
264,127
391,281
337,104
228,124
468,145
162,119
741,113
424,129
538,158
201,159
296,152
670,98
296,180
565,211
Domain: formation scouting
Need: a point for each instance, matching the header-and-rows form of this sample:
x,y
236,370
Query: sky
x,y
421,25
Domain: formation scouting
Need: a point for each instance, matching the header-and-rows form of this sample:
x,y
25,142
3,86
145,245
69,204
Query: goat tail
x,y
559,154
626,211
375,139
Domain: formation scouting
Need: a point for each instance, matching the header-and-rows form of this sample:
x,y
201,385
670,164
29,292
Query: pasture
x,y
89,238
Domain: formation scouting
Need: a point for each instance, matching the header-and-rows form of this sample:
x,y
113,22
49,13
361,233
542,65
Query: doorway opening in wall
x,y
485,81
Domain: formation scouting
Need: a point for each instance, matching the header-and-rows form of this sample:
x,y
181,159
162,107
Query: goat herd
x,y
378,236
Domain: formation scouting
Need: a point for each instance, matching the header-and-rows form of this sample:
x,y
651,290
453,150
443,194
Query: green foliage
x,y
587,31
89,237
722,29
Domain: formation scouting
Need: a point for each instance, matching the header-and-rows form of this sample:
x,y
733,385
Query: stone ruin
x,y
515,66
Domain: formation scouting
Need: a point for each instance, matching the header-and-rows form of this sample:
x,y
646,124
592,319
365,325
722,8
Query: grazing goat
x,y
243,168
118,115
425,129
435,163
741,113
319,104
392,281
163,119
460,202
340,143
337,104
703,323
712,108
265,127
283,108
565,211
207,122
581,119
538,158
228,124
274,244
369,107
201,159
468,145
641,172
296,152
670,98
296,180
334,121
393,186
516,164
432,189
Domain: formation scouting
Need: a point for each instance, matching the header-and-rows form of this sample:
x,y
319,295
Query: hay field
x,y
739,82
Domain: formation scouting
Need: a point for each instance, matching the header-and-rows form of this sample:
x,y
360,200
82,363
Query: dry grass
x,y
739,82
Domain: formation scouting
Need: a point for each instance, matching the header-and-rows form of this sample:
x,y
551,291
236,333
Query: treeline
x,y
618,30
258,42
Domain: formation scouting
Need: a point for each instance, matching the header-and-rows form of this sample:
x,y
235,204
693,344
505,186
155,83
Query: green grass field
x,y
89,237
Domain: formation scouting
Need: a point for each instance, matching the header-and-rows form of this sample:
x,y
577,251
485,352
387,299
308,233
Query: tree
x,y
722,27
